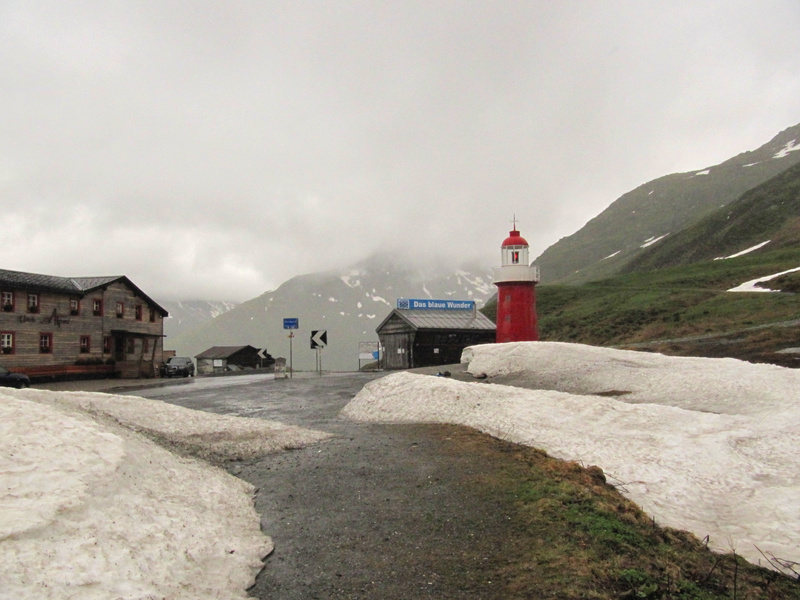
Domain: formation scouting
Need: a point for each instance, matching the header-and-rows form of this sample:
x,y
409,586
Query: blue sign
x,y
429,304
291,323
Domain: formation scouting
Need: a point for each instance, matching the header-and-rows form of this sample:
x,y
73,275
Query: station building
x,y
424,333
54,326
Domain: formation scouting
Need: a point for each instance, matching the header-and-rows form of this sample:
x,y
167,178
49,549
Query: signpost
x,y
262,356
319,339
292,323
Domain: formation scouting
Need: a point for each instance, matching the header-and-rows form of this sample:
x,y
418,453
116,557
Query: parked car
x,y
179,366
17,380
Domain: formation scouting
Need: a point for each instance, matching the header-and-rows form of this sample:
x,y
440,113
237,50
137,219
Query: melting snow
x,y
743,252
706,445
705,172
346,280
653,240
91,508
790,147
750,286
613,254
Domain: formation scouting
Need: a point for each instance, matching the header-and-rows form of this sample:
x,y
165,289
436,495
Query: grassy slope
x,y
581,539
769,212
665,205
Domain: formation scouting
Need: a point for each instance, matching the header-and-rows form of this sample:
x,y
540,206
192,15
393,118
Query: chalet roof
x,y
79,286
442,319
223,351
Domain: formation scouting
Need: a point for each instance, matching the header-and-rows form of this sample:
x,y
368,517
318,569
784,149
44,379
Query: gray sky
x,y
213,150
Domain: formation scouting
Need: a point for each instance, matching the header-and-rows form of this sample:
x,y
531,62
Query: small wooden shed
x,y
425,338
220,359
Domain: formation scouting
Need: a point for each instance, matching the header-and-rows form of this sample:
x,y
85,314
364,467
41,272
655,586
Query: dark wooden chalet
x,y
424,338
219,359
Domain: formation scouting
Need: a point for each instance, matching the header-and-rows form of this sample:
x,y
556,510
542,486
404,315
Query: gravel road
x,y
379,511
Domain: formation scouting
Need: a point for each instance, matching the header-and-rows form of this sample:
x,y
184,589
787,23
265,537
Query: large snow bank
x,y
706,445
89,508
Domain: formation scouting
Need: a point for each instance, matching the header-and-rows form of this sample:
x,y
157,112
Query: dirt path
x,y
385,512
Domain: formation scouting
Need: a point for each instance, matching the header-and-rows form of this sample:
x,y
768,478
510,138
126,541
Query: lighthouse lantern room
x,y
516,294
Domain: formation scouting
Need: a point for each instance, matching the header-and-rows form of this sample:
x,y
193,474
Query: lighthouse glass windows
x,y
515,255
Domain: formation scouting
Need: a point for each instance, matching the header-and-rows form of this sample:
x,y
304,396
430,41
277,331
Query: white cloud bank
x,y
705,445
92,509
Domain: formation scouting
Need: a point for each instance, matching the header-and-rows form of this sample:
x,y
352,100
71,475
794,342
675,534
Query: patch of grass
x,y
580,538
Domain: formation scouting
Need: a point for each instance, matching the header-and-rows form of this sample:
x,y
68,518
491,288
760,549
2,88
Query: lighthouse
x,y
516,295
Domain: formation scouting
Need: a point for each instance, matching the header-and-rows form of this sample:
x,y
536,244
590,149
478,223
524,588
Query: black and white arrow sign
x,y
319,339
262,353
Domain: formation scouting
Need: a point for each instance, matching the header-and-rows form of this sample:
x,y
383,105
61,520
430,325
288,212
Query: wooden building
x,y
219,359
78,326
421,334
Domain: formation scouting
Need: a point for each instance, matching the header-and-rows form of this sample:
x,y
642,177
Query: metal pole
x,y
291,367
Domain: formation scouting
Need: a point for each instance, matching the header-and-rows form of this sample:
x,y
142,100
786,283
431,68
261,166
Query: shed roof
x,y
442,319
223,351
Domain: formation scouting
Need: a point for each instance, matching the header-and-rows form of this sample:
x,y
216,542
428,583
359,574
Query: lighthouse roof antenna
x,y
514,238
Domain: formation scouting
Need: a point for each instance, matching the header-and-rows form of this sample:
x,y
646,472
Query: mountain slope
x,y
186,315
764,219
660,208
349,306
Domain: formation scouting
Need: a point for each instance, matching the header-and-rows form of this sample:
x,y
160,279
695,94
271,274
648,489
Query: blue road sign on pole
x,y
291,323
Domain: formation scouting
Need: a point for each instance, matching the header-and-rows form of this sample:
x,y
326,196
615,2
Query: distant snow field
x,y
752,285
92,509
705,445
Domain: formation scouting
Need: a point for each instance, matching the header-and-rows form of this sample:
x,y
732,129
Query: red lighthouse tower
x,y
516,294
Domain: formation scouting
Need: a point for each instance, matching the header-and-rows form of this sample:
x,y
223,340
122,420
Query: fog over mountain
x,y
348,305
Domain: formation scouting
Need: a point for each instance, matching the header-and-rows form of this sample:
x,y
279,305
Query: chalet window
x,y
33,303
7,301
138,312
107,344
45,343
145,345
131,346
120,310
74,307
97,307
86,344
152,315
7,342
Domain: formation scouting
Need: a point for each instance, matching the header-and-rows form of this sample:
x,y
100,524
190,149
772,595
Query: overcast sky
x,y
213,150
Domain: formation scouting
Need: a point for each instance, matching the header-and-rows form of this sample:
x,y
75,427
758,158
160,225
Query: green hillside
x,y
771,212
662,207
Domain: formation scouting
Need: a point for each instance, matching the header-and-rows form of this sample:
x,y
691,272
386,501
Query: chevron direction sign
x,y
319,339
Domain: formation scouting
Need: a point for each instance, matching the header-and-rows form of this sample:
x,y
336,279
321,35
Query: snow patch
x,y
789,147
750,286
743,252
653,240
612,255
91,508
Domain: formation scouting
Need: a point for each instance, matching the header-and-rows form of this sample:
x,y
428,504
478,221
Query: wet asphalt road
x,y
379,511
